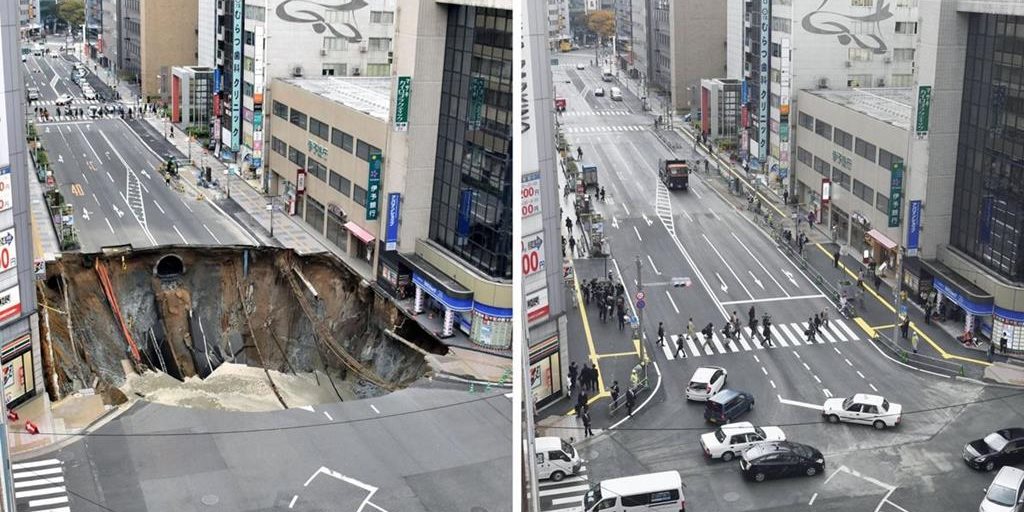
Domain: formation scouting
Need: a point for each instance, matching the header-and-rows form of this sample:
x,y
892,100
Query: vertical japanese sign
x,y
896,195
394,216
762,139
258,87
477,91
914,227
404,91
236,77
924,105
373,188
6,195
784,95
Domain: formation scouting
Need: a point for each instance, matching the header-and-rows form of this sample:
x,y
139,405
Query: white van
x,y
655,491
556,458
616,94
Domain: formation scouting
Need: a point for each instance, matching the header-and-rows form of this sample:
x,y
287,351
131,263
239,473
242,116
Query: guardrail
x,y
918,360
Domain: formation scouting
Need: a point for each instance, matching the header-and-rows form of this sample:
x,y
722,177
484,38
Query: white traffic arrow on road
x,y
60,159
724,287
615,222
85,214
146,174
800,404
107,153
756,280
827,392
47,130
656,271
648,221
789,275
117,211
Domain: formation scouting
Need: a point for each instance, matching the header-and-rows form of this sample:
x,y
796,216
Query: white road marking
x,y
725,287
672,301
179,234
873,388
765,372
306,408
329,418
800,404
186,205
213,235
814,497
656,271
688,215
624,207
637,231
715,214
861,375
35,464
772,382
816,379
109,225
756,280
837,350
797,354
42,481
756,259
848,363
773,299
291,504
694,190
374,407
96,199
47,501
109,176
40,492
756,358
806,367
158,207
828,393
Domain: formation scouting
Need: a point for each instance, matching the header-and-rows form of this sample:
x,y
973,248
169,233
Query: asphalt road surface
x,y
733,265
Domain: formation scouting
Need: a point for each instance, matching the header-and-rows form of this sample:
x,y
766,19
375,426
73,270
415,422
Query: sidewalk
x,y
45,243
55,420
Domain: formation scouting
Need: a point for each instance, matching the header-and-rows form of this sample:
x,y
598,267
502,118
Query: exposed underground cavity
x,y
247,329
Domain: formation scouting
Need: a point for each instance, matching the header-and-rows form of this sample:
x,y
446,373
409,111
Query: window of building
x,y
359,195
319,128
247,89
806,121
903,54
865,149
858,80
902,80
906,3
822,167
864,192
823,129
248,63
280,110
379,44
383,17
341,184
906,27
859,54
297,118
317,169
804,156
255,12
336,231
334,69
341,139
886,159
364,150
776,50
862,3
843,139
297,157
780,25
315,214
841,178
775,76
774,100
882,203
248,38
377,70
335,43
278,146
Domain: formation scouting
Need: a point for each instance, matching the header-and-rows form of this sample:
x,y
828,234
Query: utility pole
x,y
639,310
531,449
905,200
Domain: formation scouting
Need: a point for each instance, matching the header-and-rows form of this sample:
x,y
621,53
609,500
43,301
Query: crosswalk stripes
x,y
597,113
566,495
74,102
39,486
783,335
605,129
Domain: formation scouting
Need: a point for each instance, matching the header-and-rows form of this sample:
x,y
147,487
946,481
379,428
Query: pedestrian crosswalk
x,y
86,117
566,495
783,335
602,129
574,113
77,102
39,486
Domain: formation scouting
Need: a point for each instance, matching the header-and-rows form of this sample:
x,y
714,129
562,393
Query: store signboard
x,y
896,195
914,227
373,188
530,195
8,250
404,91
924,105
10,304
394,216
236,78
763,67
537,306
6,192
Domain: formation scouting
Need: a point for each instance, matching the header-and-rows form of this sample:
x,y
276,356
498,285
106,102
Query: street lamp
x,y
270,208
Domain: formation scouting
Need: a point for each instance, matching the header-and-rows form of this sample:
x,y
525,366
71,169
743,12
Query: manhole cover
x,y
210,499
730,496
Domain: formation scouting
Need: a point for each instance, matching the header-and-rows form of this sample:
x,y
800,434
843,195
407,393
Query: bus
x,y
565,45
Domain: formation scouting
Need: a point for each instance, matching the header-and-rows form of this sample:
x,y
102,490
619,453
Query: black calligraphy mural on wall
x,y
824,22
300,11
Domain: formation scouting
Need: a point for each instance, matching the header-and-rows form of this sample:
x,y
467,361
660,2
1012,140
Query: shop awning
x,y
877,236
435,283
359,232
962,292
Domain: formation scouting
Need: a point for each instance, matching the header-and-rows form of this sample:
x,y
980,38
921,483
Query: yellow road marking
x,y
586,327
880,327
603,394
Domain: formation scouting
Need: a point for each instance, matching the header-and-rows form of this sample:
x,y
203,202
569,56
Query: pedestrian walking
x,y
602,194
568,225
708,331
860,279
835,258
587,432
689,330
810,330
573,374
1002,344
585,377
679,347
753,326
572,245
751,316
766,332
785,197
904,327
581,402
817,324
594,377
991,352
579,152
913,342
727,332
824,317
661,334
622,320
630,400
928,308
615,393
877,280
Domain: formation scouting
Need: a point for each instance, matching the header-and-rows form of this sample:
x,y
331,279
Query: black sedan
x,y
997,449
781,459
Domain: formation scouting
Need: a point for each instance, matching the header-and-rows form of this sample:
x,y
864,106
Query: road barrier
x,y
918,360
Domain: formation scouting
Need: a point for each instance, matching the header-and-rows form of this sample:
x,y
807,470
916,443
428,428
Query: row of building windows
x,y
314,168
837,176
861,147
321,129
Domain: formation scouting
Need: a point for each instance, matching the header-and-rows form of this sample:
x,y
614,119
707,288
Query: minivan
x,y
655,491
616,94
727,405
556,458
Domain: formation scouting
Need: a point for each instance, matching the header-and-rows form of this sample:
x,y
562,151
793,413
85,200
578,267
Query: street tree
x,y
72,12
602,23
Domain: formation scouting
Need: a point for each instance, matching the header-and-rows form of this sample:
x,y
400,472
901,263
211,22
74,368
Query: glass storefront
x,y
18,376
546,373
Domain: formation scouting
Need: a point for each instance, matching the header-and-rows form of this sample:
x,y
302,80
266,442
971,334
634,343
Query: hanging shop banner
x,y
300,181
236,78
8,250
465,207
914,227
394,215
6,195
373,188
766,26
924,105
537,307
402,103
826,191
896,195
10,304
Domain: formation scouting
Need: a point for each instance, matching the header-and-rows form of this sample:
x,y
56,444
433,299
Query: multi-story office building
x,y
19,325
282,39
208,24
558,22
94,17
720,109
109,40
144,40
624,34
191,99
28,16
686,40
640,47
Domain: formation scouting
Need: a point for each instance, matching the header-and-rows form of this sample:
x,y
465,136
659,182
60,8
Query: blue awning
x,y
968,305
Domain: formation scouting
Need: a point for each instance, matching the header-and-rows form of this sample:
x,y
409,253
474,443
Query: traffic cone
x,y
12,415
31,428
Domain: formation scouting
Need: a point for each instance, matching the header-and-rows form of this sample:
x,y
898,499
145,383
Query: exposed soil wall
x,y
222,310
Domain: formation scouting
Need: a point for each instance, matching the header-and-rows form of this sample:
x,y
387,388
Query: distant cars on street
x,y
599,91
63,100
999,448
581,66
863,408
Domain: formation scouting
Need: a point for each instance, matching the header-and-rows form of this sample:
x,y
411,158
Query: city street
x,y
708,236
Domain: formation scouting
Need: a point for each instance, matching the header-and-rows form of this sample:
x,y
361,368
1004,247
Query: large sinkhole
x,y
234,329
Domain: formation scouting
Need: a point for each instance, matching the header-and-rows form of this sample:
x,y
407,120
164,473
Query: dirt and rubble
x,y
229,328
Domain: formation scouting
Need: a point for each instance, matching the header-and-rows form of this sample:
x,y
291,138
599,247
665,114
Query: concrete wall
x,y
168,38
734,33
697,46
206,21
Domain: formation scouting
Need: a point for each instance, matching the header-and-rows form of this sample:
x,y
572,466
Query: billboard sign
x,y
924,105
762,139
896,194
10,304
6,195
533,254
914,227
8,250
537,306
373,188
394,216
236,78
404,91
530,195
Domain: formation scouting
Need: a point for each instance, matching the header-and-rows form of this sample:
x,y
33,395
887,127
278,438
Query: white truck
x,y
556,458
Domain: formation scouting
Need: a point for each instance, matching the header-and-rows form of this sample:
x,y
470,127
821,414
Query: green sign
x,y
477,90
316,148
402,103
896,195
924,105
373,189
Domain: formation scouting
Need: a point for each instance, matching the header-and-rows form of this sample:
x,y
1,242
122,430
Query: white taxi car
x,y
706,381
863,408
731,440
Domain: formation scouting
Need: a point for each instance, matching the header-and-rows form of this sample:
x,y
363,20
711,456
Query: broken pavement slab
x,y
471,365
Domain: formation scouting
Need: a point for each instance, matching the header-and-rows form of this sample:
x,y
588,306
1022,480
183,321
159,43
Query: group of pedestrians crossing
x,y
761,329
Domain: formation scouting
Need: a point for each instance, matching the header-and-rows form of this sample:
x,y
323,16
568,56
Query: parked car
x,y
731,440
999,448
781,459
706,381
727,405
863,408
599,91
1006,493
581,66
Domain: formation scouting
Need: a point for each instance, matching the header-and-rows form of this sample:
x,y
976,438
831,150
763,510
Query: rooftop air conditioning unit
x,y
362,48
323,52
297,71
880,82
823,83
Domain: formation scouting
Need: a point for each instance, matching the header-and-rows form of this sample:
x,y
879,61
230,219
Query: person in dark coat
x,y
573,373
585,377
615,393
905,327
630,400
587,432
1002,344
835,258
581,402
661,334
